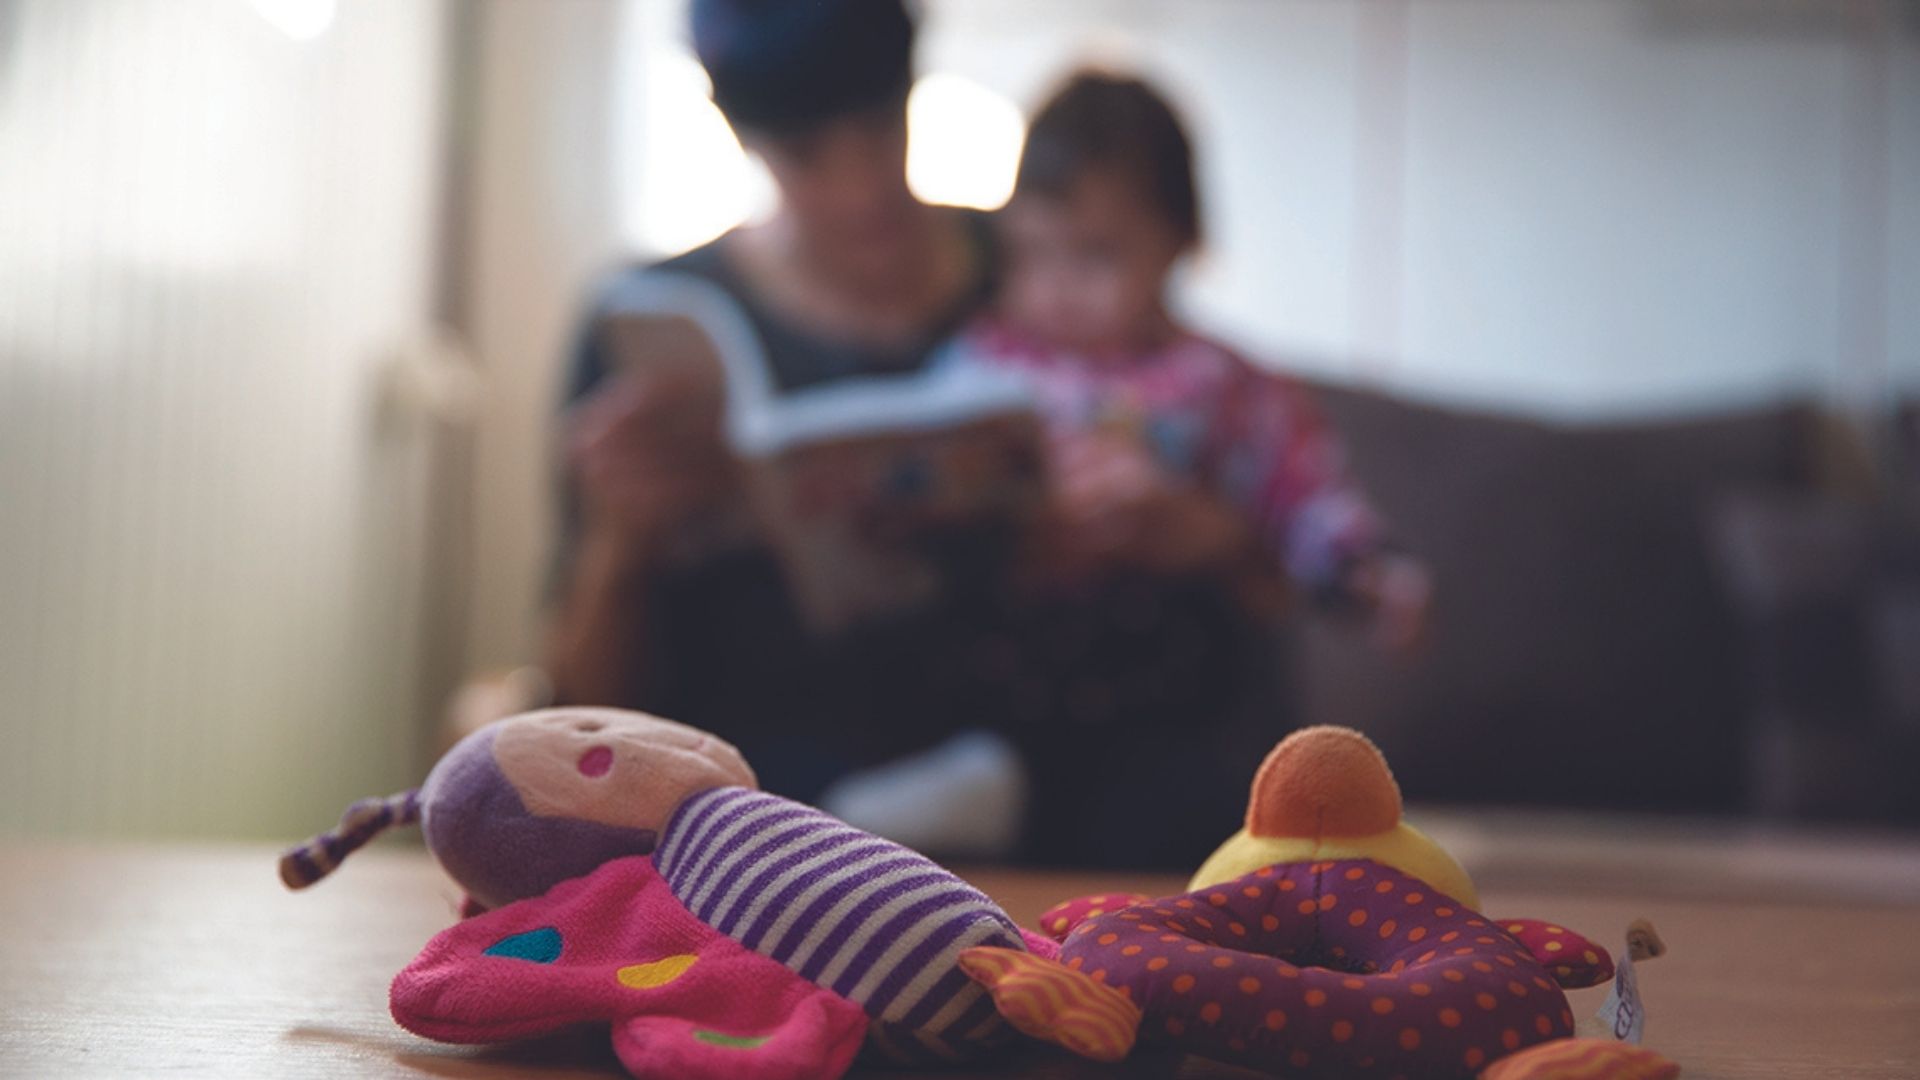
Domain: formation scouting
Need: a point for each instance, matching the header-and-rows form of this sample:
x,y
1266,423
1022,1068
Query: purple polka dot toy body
x,y
1317,943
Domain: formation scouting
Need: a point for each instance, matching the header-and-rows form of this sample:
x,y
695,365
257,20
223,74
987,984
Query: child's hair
x,y
1104,121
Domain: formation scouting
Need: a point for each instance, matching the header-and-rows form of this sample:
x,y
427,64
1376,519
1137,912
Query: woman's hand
x,y
647,454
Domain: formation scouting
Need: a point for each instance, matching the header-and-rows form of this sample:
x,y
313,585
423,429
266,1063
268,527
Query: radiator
x,y
216,226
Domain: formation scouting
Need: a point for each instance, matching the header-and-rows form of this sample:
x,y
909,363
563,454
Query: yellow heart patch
x,y
655,973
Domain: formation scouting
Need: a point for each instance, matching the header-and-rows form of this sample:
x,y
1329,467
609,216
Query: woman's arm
x,y
644,455
597,642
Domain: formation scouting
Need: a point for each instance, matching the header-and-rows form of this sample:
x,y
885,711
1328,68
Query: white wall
x,y
212,237
1901,180
540,222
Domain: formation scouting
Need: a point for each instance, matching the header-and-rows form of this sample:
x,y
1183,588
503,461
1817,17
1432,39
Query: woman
x,y
852,275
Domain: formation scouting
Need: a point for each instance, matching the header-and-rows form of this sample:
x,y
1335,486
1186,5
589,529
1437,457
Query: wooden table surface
x,y
1792,955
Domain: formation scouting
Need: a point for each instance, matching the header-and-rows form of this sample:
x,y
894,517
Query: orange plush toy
x,y
1326,938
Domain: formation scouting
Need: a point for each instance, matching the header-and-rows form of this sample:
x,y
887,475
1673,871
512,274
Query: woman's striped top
x,y
877,923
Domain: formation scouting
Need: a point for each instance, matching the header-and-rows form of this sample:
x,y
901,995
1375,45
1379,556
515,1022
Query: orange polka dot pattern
x,y
1063,917
1275,972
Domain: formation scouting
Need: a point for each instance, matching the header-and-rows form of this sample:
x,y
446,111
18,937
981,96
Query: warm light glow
x,y
301,20
695,182
964,142
166,166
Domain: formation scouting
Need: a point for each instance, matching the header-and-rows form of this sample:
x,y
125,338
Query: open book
x,y
860,486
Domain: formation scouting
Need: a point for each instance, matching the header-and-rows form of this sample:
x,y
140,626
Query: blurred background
x,y
1614,303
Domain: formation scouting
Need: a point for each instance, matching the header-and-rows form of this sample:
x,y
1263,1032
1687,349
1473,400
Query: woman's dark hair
x,y
786,66
1101,121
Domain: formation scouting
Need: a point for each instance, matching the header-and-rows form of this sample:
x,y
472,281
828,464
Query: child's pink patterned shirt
x,y
1255,438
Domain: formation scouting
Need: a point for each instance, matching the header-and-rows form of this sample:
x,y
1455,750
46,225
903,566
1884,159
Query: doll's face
x,y
619,768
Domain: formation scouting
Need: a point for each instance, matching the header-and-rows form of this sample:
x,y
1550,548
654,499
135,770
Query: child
x,y
1134,684
1170,452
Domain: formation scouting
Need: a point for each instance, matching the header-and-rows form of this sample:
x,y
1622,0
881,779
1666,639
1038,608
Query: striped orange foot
x,y
1583,1059
1050,1001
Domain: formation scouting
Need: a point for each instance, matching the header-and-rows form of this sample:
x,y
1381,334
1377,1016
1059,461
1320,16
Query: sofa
x,y
1587,647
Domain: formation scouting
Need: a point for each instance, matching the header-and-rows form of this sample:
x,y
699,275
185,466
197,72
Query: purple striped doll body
x,y
636,878
872,921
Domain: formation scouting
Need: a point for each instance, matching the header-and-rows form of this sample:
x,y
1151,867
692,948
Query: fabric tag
x,y
1623,1016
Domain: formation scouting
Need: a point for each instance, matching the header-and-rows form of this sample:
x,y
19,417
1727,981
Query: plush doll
x,y
1326,939
624,870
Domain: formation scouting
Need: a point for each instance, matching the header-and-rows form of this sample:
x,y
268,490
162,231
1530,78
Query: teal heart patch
x,y
541,946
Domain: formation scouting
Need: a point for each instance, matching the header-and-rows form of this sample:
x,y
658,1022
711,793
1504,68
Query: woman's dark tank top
x,y
796,358
724,632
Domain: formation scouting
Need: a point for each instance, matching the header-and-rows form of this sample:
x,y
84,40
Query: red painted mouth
x,y
596,762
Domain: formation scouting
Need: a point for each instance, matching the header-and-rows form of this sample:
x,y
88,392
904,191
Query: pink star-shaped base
x,y
615,947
